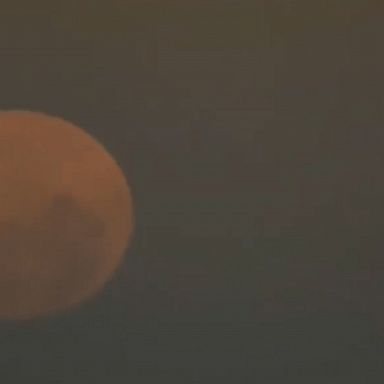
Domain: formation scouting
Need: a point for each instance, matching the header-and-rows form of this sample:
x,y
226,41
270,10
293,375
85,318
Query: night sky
x,y
251,134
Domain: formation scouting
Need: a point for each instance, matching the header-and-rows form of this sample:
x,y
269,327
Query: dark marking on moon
x,y
61,246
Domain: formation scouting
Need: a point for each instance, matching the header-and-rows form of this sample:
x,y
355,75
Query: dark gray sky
x,y
251,134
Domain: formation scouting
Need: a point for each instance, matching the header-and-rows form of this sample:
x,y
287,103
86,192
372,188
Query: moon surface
x,y
66,215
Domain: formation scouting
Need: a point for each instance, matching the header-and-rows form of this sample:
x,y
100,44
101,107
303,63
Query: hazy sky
x,y
251,134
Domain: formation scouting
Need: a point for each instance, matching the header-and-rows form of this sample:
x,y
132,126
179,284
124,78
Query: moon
x,y
66,215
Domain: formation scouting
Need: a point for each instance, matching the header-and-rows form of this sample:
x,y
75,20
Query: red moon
x,y
66,215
